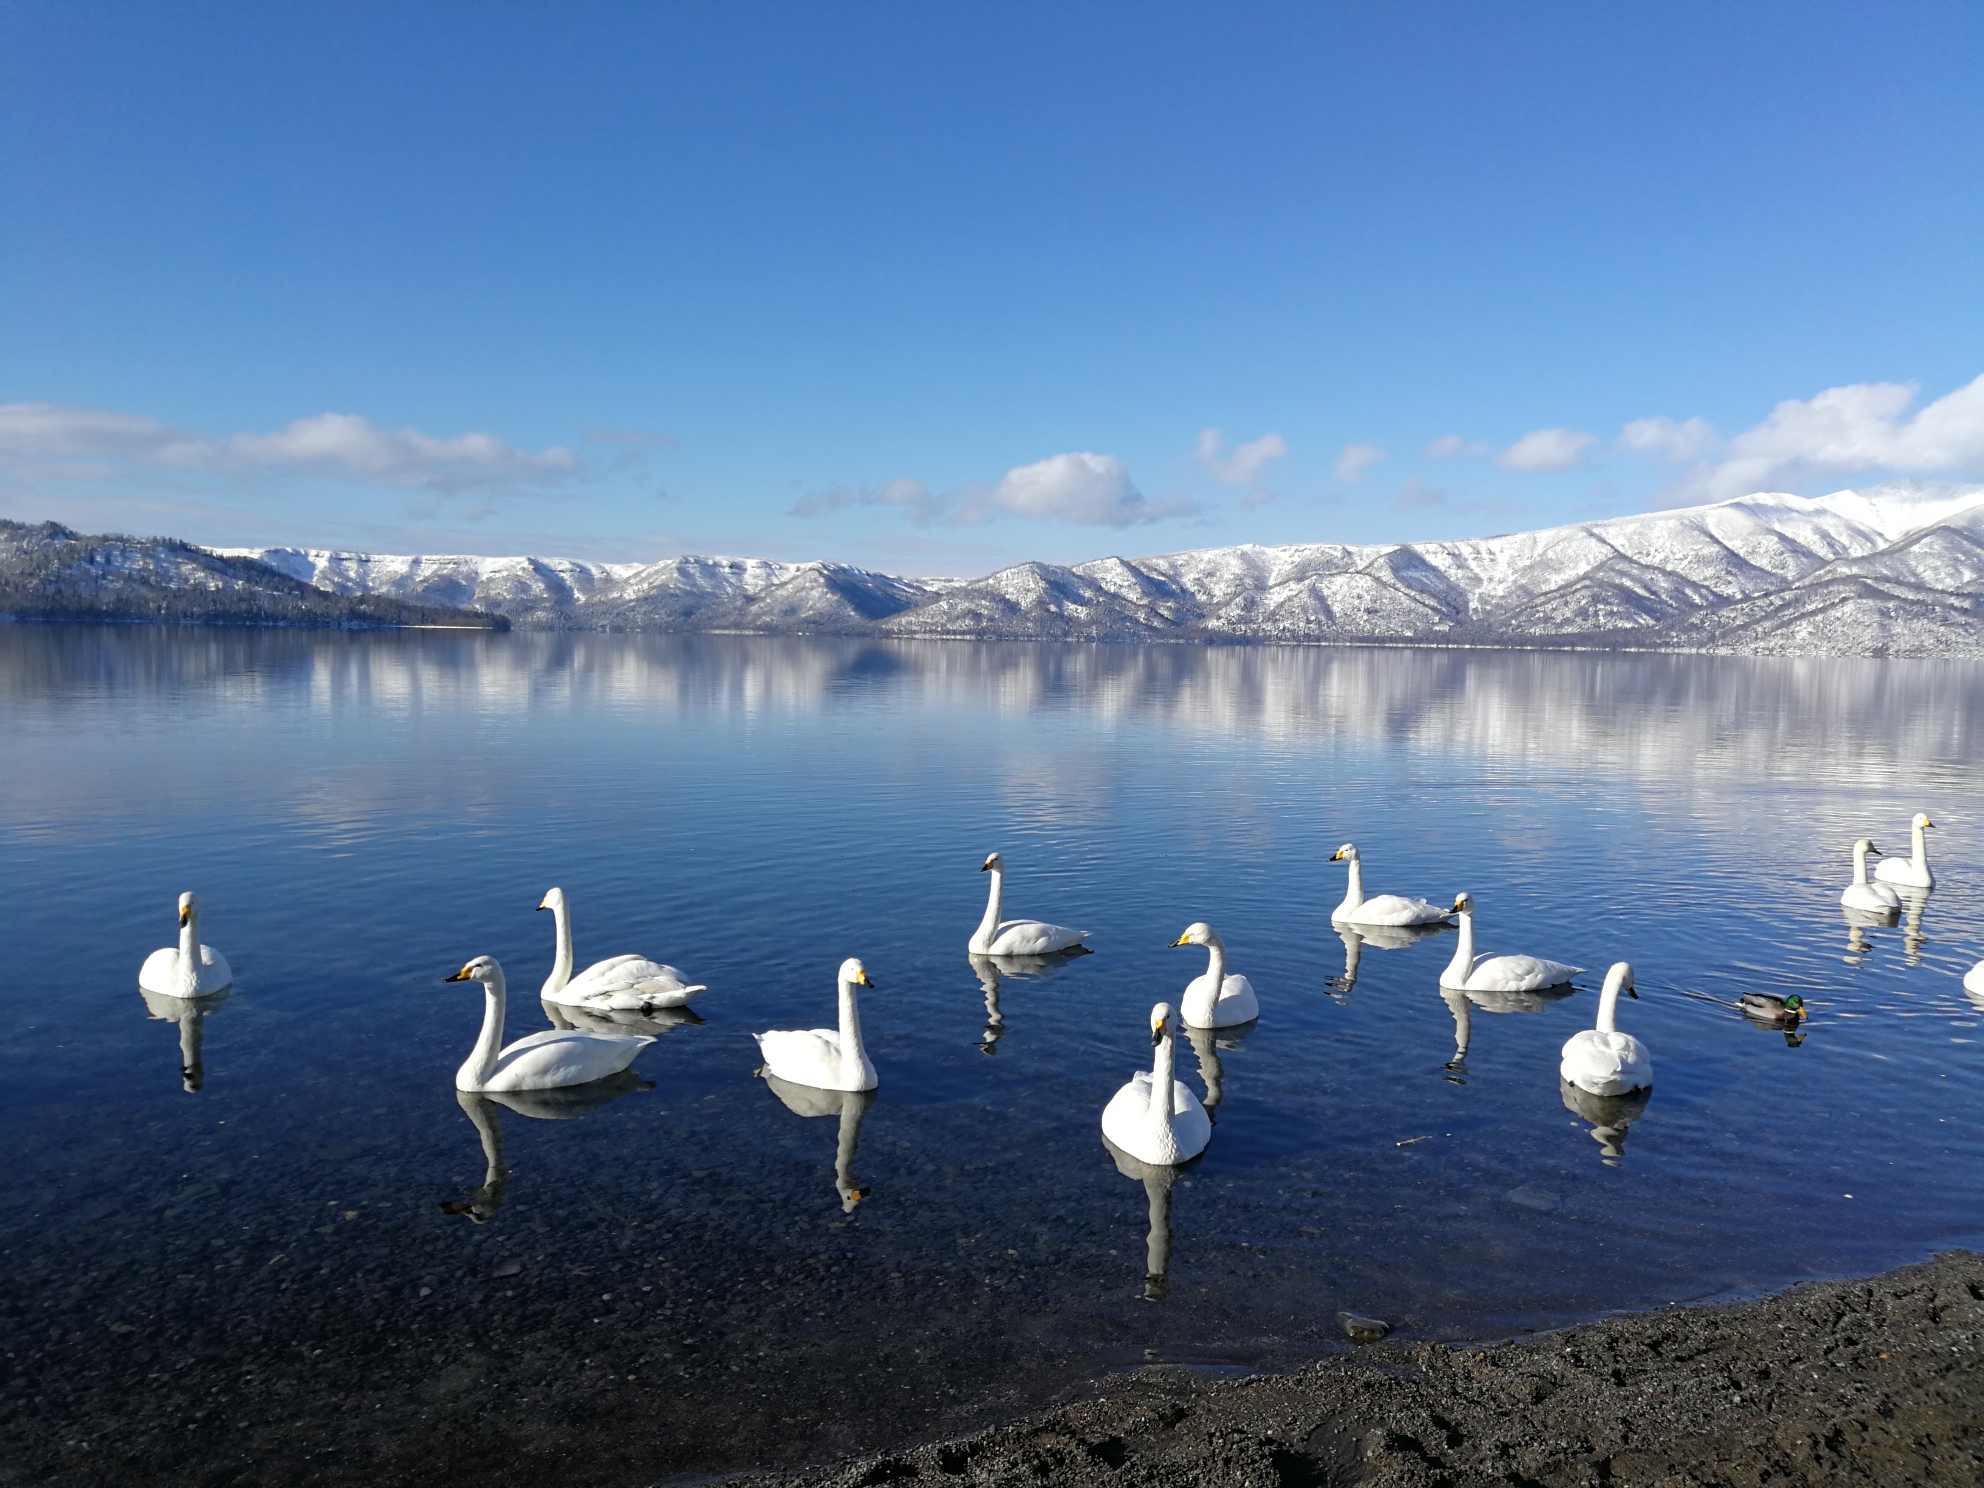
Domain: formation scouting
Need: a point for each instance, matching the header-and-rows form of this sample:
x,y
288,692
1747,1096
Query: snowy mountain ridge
x,y
1892,569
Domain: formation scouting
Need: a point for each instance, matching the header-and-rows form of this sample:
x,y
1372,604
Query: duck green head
x,y
1794,1004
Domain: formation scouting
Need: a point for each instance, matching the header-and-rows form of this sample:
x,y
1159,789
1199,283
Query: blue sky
x,y
936,287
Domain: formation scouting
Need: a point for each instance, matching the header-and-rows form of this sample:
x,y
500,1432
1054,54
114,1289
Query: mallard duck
x,y
1772,1008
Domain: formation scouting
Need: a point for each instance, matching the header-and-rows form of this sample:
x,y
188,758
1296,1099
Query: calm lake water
x,y
277,1266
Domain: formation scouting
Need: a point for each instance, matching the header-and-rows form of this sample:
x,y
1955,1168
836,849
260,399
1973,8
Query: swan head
x,y
554,899
993,864
1865,848
1922,820
1347,853
851,970
189,907
1463,903
1160,1023
1199,933
482,969
1620,979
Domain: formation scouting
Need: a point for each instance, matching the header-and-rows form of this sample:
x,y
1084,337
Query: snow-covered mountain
x,y
1893,569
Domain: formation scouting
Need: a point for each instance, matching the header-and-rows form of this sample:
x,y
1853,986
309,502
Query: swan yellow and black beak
x,y
861,978
1156,1032
1181,940
460,976
986,866
1335,855
186,914
1874,852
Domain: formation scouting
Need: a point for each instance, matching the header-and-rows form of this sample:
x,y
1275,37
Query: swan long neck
x,y
1216,964
561,968
482,1061
1160,1083
1608,1006
1354,895
851,1055
1921,847
1860,865
189,949
1463,961
988,927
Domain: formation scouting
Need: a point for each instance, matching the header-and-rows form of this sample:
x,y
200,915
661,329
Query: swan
x,y
850,1106
1860,894
628,982
825,1058
1380,909
1913,872
1468,972
1214,999
544,1061
1155,1118
1973,980
997,937
188,969
1602,1060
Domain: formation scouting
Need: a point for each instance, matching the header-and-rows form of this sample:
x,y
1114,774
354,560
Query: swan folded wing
x,y
1395,909
1518,974
560,1056
626,974
805,1056
1606,1063
1033,938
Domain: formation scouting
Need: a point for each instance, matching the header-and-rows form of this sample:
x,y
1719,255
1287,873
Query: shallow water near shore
x,y
362,813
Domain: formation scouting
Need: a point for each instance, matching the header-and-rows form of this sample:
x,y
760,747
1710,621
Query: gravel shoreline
x,y
1874,1381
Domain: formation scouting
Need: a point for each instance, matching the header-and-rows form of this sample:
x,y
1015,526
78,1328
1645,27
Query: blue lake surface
x,y
672,1282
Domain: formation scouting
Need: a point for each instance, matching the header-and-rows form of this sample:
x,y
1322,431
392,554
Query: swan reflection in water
x,y
1858,922
991,969
850,1106
1609,1116
566,1103
654,1022
1913,903
1462,1005
190,1013
1207,1044
1157,1179
1378,937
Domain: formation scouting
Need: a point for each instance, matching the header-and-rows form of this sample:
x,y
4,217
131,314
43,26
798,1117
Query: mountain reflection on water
x,y
361,813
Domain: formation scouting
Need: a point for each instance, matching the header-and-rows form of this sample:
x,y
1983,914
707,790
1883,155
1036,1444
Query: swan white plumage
x,y
1468,972
1912,872
627,983
997,937
1379,909
1603,1060
1973,980
1156,1118
549,1060
1213,999
1860,894
188,969
825,1058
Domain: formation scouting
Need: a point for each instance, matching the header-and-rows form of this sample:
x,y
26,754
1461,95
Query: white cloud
x,y
1848,430
1546,449
1243,466
912,495
1076,487
1669,439
1450,446
55,440
1355,460
1416,495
